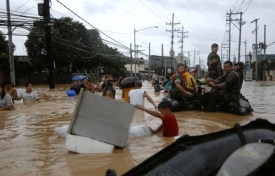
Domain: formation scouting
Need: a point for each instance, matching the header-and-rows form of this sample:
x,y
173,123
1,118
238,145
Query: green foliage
x,y
263,66
4,53
71,43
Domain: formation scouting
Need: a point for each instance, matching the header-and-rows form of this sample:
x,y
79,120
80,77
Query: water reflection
x,y
29,145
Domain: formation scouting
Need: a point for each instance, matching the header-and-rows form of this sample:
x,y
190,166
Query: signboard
x,y
248,74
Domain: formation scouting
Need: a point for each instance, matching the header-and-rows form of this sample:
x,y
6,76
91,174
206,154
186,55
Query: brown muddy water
x,y
29,145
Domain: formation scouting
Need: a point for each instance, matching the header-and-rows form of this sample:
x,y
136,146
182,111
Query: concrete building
x,y
159,63
185,60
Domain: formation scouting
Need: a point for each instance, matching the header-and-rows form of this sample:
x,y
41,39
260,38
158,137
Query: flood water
x,y
29,145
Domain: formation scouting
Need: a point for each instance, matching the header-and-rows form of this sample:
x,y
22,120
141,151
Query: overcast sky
x,y
205,21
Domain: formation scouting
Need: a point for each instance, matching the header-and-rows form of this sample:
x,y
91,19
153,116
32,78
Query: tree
x,y
74,45
4,53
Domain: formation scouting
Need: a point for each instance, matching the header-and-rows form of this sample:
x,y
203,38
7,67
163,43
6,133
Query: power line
x,y
158,9
250,6
234,5
139,11
90,24
151,10
98,28
247,5
21,5
167,8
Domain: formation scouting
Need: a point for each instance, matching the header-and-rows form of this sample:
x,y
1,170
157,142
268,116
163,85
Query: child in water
x,y
110,93
169,124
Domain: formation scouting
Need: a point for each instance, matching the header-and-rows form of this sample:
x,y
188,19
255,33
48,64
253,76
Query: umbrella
x,y
78,77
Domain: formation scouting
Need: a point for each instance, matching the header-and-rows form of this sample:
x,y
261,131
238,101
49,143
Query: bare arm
x,y
182,89
153,113
5,108
14,94
188,87
118,82
145,94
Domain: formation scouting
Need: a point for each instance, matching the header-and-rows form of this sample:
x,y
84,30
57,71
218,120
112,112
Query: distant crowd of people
x,y
182,85
9,95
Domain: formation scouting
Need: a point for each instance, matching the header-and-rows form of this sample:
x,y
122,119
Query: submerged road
x,y
29,145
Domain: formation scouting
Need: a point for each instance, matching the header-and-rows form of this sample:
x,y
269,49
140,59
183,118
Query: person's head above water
x,y
138,84
7,85
165,107
110,93
90,86
28,87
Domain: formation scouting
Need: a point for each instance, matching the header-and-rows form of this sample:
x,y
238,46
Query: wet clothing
x,y
214,70
240,73
6,101
137,97
29,97
174,92
170,126
231,86
230,82
76,89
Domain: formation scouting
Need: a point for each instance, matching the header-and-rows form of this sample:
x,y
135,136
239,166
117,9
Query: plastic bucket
x,y
71,93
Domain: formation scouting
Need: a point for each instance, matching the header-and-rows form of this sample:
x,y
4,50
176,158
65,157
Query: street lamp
x,y
135,42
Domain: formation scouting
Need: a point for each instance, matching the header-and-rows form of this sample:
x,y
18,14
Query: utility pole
x,y
149,62
229,31
162,58
11,58
245,43
48,36
172,52
264,49
181,41
224,56
189,55
240,36
195,57
135,50
165,66
256,47
131,60
240,31
264,42
136,56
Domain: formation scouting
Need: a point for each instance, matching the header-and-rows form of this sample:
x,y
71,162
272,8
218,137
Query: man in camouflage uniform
x,y
239,70
214,63
228,84
178,87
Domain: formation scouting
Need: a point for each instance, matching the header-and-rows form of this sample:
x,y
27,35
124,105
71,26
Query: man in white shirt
x,y
136,96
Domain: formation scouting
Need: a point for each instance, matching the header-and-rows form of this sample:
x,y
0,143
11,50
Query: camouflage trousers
x,y
227,98
179,96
